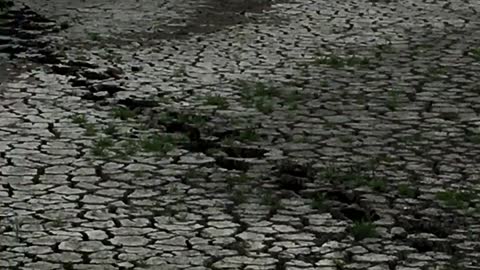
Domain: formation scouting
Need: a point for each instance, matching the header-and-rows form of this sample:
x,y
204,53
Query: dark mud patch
x,y
20,30
208,17
218,14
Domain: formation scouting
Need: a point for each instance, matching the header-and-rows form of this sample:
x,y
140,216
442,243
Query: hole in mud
x,y
357,214
64,69
232,163
111,89
341,196
95,75
133,104
293,175
76,82
244,152
295,169
439,228
289,182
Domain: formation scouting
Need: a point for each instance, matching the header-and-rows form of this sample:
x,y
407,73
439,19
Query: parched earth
x,y
208,134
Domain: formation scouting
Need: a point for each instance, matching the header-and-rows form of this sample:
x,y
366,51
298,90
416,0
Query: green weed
x,y
238,196
338,62
264,105
406,191
377,184
392,100
268,198
475,54
90,129
248,135
362,230
101,145
217,100
160,143
94,36
79,119
473,138
458,199
319,201
123,113
111,129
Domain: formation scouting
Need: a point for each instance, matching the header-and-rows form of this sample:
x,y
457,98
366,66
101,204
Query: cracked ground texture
x,y
240,134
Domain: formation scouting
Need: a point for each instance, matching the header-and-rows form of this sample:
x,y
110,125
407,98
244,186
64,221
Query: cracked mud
x,y
240,135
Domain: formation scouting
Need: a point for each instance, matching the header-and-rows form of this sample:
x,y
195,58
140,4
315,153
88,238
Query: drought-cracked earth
x,y
253,134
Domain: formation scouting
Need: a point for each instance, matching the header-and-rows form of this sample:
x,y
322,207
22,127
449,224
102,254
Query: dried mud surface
x,y
240,135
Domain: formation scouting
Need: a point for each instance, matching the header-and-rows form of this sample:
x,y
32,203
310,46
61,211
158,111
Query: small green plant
x,y
362,230
265,97
183,118
123,113
101,145
377,184
111,129
217,100
337,62
56,134
16,224
237,180
238,196
173,189
79,119
105,142
458,199
90,129
264,105
319,201
194,173
346,139
357,61
292,99
332,61
330,173
436,71
58,223
180,71
268,198
392,100
251,91
339,264
475,54
406,191
94,36
248,135
386,47
355,177
263,90
160,143
129,147
473,138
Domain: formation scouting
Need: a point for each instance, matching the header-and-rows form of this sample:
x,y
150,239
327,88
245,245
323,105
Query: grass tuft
x,y
79,119
160,143
362,230
217,100
319,201
406,191
123,113
457,199
101,145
